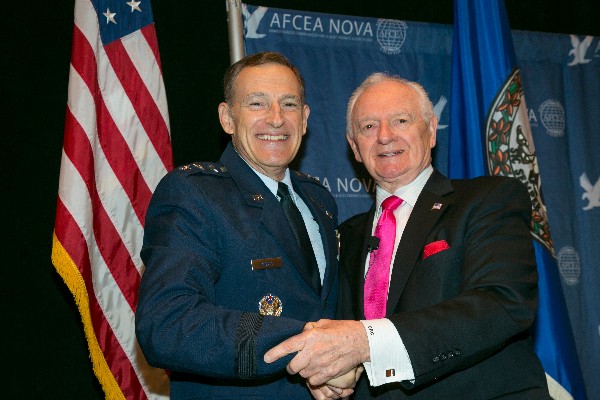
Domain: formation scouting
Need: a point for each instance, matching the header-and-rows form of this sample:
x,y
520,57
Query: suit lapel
x,y
257,195
355,238
324,219
275,221
430,205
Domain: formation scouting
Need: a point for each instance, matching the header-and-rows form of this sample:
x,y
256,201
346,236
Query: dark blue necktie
x,y
297,223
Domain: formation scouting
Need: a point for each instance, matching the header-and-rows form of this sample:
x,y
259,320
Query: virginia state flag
x,y
490,134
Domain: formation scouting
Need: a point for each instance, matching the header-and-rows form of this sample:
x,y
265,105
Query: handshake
x,y
330,354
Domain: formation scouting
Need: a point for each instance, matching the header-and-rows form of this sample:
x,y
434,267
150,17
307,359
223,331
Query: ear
x,y
305,114
354,147
226,118
433,123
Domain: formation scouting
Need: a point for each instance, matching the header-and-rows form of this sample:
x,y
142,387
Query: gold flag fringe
x,y
70,274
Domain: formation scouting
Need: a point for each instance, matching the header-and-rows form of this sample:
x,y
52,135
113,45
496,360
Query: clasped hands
x,y
329,355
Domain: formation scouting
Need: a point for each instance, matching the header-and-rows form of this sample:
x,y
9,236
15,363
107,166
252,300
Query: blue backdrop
x,y
560,75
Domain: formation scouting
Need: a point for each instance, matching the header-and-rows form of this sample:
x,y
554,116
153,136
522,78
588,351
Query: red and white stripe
x,y
116,149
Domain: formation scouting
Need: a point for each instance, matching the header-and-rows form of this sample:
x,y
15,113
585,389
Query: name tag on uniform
x,y
266,263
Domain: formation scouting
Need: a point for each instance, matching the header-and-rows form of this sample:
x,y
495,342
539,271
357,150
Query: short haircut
x,y
262,58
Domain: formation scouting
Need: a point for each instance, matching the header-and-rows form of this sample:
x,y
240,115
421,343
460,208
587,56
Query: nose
x,y
274,116
385,134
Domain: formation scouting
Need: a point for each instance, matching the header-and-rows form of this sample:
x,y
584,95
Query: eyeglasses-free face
x,y
390,135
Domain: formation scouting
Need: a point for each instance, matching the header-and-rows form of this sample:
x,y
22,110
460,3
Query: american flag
x,y
116,148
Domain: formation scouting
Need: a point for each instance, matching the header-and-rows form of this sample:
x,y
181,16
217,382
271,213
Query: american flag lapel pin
x,y
436,206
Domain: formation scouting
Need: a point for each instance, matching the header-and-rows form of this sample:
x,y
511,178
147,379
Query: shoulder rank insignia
x,y
307,176
205,167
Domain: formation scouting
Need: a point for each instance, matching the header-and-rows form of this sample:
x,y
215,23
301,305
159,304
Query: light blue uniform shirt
x,y
311,225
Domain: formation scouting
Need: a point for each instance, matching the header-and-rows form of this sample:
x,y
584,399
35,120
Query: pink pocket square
x,y
435,247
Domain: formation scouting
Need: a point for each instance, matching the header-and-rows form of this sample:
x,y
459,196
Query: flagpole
x,y
235,29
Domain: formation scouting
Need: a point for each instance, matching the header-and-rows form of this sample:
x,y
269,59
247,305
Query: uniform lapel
x,y
430,205
275,221
258,196
355,237
327,225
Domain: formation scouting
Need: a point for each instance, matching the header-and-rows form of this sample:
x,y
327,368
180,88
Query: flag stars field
x,y
110,17
134,5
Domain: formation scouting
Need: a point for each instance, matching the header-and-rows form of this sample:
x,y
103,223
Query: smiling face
x,y
267,118
389,134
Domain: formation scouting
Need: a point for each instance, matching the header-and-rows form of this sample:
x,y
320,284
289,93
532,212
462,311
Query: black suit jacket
x,y
464,312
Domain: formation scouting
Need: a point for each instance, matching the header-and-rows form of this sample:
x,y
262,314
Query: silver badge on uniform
x,y
270,305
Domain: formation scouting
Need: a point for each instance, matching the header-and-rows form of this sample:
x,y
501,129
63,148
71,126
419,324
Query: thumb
x,y
308,326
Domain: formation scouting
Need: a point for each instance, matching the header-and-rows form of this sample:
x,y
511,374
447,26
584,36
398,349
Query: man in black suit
x,y
461,290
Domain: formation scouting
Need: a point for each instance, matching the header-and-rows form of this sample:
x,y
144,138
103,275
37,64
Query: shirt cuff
x,y
386,366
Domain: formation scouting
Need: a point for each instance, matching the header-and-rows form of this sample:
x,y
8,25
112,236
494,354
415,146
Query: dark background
x,y
43,350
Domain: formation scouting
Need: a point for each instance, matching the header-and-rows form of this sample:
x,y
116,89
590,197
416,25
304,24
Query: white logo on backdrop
x,y
592,192
552,115
579,50
391,34
252,21
568,264
438,109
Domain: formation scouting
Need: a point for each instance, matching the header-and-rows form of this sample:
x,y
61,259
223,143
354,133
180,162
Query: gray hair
x,y
378,77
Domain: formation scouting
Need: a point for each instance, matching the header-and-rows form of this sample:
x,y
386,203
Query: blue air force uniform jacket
x,y
198,309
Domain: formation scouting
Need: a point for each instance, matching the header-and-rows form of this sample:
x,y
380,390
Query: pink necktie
x,y
378,276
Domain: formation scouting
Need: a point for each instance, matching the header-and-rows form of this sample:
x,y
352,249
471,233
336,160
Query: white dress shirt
x,y
392,366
